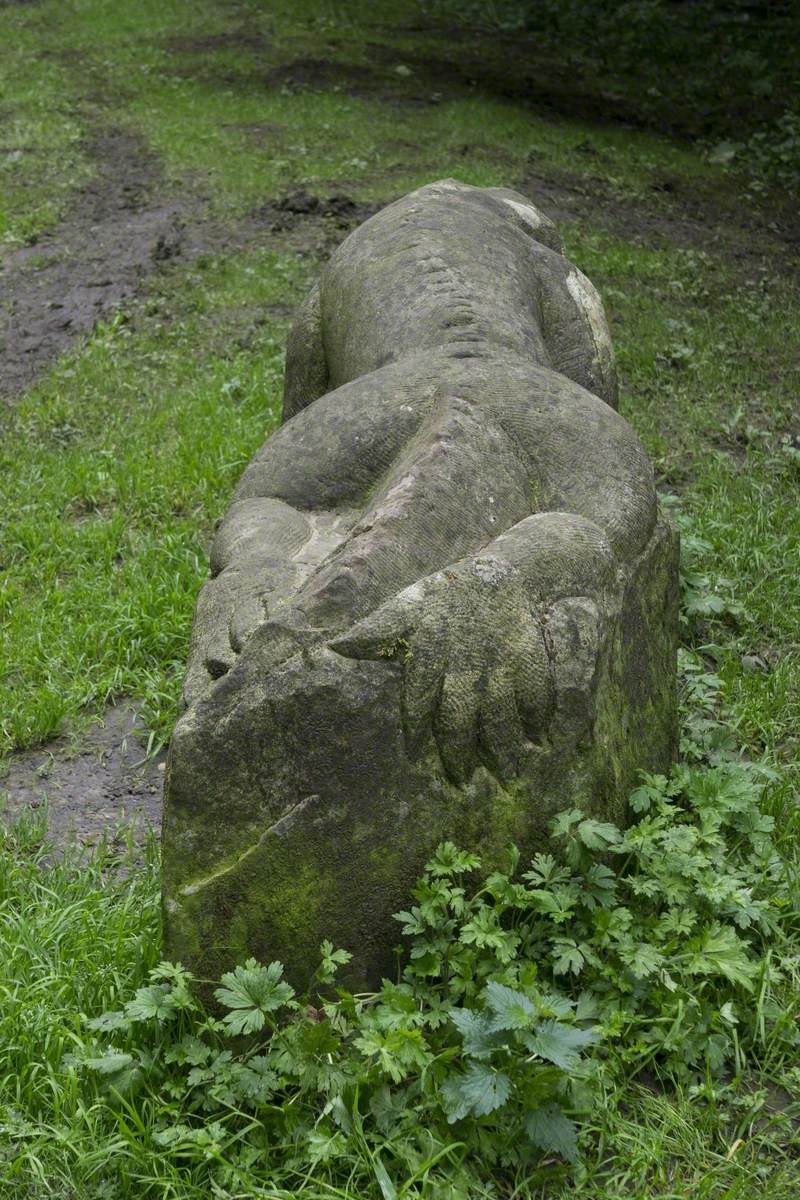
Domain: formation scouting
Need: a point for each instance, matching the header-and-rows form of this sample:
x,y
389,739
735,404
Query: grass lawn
x,y
265,133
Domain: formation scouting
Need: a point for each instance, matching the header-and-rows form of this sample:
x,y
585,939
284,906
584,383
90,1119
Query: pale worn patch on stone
x,y
585,295
530,215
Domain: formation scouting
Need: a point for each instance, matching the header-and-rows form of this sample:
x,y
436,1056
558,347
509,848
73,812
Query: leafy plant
x,y
484,1050
619,949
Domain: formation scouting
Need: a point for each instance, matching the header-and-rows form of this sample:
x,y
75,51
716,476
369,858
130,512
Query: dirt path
x,y
119,228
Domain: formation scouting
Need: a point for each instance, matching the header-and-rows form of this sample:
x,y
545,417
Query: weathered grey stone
x,y
444,600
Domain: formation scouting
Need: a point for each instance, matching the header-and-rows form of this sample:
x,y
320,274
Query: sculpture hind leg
x,y
295,504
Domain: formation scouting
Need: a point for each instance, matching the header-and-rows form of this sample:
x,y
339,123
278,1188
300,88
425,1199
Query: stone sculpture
x,y
443,601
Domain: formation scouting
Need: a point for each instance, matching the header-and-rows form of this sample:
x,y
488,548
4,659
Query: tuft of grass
x,y
41,158
73,930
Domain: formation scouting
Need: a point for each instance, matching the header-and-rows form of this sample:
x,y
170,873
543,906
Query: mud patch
x,y
258,133
118,230
289,211
312,224
673,216
394,85
324,75
90,788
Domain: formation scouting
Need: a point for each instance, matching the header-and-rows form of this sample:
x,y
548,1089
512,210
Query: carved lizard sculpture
x,y
450,469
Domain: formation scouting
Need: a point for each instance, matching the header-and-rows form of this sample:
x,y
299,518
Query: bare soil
x,y
120,227
90,786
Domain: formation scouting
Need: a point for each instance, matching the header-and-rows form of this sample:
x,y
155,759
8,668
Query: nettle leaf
x,y
560,1044
109,1022
550,1130
109,1063
479,1039
252,991
511,1009
477,1092
553,1005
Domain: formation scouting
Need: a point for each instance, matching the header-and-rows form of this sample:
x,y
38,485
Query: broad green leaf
x,y
109,1064
477,1092
560,1044
476,1031
190,1050
568,957
718,951
153,1003
557,902
333,958
170,972
388,1108
109,1022
563,822
550,1130
545,870
642,959
325,1145
399,1052
449,860
598,835
512,1010
252,991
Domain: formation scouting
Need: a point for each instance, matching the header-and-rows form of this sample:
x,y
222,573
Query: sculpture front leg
x,y
489,644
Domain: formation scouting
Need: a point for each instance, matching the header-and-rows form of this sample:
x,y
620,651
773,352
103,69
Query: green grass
x,y
131,450
115,466
41,160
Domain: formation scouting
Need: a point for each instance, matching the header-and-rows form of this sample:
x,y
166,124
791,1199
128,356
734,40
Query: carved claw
x,y
476,672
